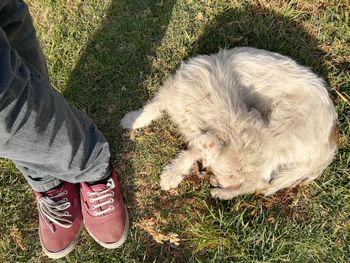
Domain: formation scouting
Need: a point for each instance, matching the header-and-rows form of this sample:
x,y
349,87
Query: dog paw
x,y
213,181
209,147
169,180
223,193
129,121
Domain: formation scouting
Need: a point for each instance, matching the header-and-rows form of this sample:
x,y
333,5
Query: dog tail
x,y
294,175
287,177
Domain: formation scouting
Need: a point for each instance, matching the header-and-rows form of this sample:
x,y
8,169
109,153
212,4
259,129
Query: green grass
x,y
109,57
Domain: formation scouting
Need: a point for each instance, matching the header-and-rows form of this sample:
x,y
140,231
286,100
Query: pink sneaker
x,y
104,213
60,219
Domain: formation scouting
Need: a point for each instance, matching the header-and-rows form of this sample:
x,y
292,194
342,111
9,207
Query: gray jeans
x,y
48,140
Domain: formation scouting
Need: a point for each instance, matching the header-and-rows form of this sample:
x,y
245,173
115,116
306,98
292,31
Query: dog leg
x,y
142,117
174,172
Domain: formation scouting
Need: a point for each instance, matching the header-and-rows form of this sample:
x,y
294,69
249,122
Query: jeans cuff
x,y
46,186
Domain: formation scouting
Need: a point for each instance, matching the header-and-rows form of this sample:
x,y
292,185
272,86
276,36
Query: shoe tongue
x,y
98,187
54,191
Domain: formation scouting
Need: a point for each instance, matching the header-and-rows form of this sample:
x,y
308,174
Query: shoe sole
x,y
66,251
122,239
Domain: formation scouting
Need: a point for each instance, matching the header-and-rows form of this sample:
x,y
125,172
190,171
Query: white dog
x,y
259,120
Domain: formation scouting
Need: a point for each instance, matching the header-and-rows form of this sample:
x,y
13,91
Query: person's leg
x,y
18,26
40,132
45,137
53,144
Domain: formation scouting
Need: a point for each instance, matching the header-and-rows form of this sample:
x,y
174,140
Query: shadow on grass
x,y
265,29
108,80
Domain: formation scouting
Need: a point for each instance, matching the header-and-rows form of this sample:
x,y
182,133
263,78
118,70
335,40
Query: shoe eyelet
x,y
65,200
65,192
111,193
112,207
93,207
89,193
66,213
91,200
94,213
111,200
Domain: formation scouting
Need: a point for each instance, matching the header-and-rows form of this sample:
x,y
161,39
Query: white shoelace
x,y
52,211
103,195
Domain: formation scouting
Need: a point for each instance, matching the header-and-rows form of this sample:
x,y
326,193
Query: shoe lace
x,y
54,211
101,195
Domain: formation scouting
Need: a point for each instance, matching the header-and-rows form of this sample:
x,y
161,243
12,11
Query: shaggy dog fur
x,y
259,120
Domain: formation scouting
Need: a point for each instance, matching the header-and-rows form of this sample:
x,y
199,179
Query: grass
x,y
109,57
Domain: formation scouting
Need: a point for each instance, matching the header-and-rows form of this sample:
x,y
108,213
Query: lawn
x,y
108,57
